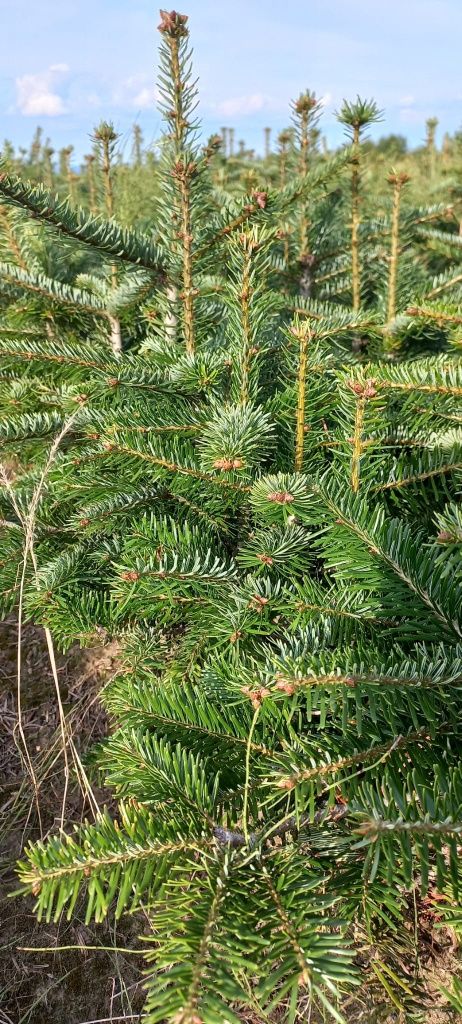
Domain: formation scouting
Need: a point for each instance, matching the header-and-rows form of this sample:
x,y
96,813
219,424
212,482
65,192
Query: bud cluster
x,y
173,24
363,390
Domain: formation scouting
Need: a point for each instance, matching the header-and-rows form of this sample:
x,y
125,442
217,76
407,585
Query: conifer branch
x,y
170,467
381,750
450,467
122,243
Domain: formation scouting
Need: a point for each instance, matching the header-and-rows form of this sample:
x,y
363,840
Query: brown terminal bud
x,y
398,179
227,464
261,199
255,696
366,390
173,24
370,389
305,103
286,784
105,132
257,603
445,537
286,686
280,497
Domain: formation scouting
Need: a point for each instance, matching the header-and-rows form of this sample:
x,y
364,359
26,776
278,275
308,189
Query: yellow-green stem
x,y
304,141
183,177
187,294
116,334
304,335
246,331
394,252
178,97
398,181
245,806
355,222
357,444
108,190
304,222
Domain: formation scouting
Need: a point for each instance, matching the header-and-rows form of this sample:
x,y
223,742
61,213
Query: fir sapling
x,y
267,520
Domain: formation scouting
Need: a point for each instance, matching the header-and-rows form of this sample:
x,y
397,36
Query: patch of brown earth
x,y
70,986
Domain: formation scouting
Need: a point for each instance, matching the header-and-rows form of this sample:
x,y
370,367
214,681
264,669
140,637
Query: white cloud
x,y
146,97
240,105
326,100
136,93
406,101
36,95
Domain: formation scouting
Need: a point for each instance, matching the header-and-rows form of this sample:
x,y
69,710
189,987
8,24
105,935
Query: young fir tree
x,y
356,117
270,525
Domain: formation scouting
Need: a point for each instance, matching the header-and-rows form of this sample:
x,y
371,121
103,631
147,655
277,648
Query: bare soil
x,y
72,986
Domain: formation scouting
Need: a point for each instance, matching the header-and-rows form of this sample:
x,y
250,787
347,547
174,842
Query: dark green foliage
x,y
359,113
260,500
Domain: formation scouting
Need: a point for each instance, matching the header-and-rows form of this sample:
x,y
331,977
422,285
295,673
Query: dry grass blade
x,y
28,524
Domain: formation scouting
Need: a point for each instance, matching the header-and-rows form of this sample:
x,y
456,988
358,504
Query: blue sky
x,y
66,64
